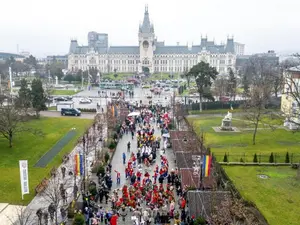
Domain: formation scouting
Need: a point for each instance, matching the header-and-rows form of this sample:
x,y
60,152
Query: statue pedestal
x,y
226,124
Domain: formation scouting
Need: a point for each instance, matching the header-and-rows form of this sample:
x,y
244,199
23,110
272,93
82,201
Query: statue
x,y
226,122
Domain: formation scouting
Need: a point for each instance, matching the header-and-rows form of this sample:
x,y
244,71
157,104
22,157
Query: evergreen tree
x,y
246,86
38,96
23,100
287,158
271,159
255,158
225,158
241,160
232,84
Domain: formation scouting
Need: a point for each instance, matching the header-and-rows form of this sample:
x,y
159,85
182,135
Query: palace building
x,y
150,54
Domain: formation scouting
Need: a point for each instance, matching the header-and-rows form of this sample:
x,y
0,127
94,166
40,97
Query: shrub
x,y
93,189
255,158
71,212
225,159
287,158
106,157
100,171
87,110
241,160
79,219
112,145
271,159
295,166
200,221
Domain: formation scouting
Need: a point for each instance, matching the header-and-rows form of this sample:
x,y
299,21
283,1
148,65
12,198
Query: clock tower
x,y
146,44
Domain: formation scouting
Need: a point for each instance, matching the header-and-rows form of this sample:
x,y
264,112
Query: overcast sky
x,y
46,27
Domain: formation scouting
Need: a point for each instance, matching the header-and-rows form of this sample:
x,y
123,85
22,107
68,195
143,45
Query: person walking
x,y
118,177
124,158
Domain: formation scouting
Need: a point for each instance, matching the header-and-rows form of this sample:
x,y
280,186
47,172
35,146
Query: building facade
x,y
150,54
290,99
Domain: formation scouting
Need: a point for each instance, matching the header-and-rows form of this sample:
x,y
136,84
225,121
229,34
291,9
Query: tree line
x,y
16,111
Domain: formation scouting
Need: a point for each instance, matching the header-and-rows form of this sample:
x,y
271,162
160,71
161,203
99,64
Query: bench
x,y
41,186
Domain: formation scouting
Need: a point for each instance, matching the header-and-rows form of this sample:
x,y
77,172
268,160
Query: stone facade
x,y
152,55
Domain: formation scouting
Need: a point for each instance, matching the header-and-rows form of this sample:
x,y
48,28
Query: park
x,y
276,194
32,148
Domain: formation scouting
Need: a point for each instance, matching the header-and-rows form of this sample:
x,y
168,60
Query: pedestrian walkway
x,y
117,164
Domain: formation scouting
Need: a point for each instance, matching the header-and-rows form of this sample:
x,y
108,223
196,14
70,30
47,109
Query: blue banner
x,y
81,164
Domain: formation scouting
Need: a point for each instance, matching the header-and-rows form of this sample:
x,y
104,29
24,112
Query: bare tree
x,y
23,216
12,121
56,195
260,91
220,87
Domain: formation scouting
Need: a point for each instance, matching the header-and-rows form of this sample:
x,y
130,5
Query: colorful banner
x,y
78,164
113,110
206,166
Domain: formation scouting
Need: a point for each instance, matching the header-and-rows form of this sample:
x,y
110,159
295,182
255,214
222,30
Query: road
x,y
57,114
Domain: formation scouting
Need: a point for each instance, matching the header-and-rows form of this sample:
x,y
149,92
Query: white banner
x,y
23,164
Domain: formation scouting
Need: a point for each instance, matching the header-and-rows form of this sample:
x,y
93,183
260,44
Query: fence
x,y
261,157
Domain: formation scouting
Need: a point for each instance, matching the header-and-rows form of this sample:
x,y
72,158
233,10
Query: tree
x,y
12,122
38,96
246,86
69,78
232,82
79,219
271,158
287,158
204,75
56,194
55,69
261,86
23,100
187,76
31,61
220,87
22,216
93,72
255,158
225,159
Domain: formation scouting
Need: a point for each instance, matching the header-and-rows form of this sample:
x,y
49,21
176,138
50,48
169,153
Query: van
x,y
70,112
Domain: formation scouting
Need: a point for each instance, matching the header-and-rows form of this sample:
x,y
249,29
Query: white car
x,y
85,101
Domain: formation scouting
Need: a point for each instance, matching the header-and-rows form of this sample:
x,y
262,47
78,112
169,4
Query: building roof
x,y
146,26
124,50
5,55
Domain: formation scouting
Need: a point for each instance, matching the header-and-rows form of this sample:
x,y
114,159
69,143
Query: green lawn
x,y
277,198
64,92
239,145
121,76
212,111
29,147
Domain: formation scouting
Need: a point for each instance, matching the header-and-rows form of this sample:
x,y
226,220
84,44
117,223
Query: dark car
x,y
70,112
60,99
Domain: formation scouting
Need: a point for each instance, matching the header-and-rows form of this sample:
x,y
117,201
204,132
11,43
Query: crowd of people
x,y
152,192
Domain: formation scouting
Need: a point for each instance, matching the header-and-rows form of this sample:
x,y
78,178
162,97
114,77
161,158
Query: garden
x,y
27,146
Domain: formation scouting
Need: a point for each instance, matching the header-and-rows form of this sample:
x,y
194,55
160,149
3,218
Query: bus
x,y
116,85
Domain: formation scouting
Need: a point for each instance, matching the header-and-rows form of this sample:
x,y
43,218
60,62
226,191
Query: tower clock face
x,y
145,44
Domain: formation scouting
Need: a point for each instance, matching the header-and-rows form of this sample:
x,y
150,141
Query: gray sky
x,y
45,27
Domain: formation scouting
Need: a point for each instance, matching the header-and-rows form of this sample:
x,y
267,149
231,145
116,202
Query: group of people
x,y
152,192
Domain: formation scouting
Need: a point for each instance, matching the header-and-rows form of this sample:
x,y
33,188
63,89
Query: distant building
x,y
290,97
97,40
25,54
270,57
4,56
239,48
58,58
150,54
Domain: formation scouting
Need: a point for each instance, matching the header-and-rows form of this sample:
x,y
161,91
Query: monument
x,y
226,122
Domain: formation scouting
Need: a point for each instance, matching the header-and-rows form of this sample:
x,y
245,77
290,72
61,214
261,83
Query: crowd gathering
x,y
152,192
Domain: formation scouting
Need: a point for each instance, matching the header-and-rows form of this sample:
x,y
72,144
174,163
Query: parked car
x,y
85,101
60,99
70,112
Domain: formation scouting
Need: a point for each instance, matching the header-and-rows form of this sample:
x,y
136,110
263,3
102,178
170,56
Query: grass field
x,y
239,145
121,76
278,198
64,92
29,147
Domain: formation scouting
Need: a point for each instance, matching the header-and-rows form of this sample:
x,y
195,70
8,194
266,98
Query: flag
x,y
206,165
78,164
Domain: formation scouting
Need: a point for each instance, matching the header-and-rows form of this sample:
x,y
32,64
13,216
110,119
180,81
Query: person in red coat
x,y
114,220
